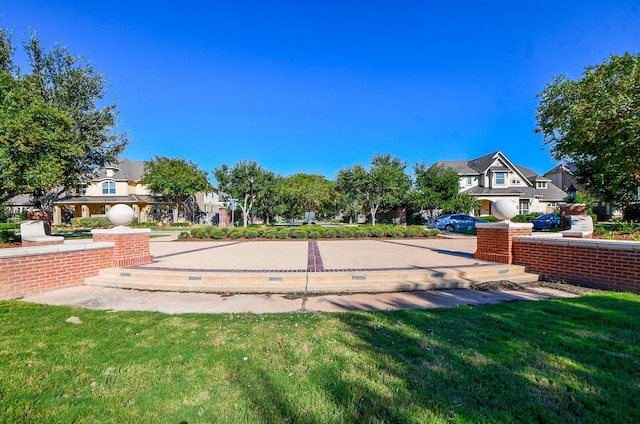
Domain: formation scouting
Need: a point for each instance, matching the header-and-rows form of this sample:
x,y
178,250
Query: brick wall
x,y
131,245
25,271
606,264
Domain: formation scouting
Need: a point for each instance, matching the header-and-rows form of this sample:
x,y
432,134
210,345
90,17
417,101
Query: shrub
x,y
376,231
328,233
199,233
298,234
145,224
184,235
394,232
413,231
251,233
346,232
431,232
217,233
360,232
282,233
270,233
9,226
7,236
314,234
92,222
236,233
180,224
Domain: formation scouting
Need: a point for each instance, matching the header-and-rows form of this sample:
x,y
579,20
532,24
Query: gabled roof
x,y
125,170
485,163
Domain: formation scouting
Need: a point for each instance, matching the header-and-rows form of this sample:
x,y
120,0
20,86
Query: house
x,y
493,177
121,182
563,176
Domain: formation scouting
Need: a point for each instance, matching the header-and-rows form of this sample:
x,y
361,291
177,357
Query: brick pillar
x,y
38,215
223,221
570,209
495,240
131,245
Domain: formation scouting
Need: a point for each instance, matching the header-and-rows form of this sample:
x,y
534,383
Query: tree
x,y
70,85
175,179
311,192
434,186
269,202
244,182
381,188
594,123
35,140
436,190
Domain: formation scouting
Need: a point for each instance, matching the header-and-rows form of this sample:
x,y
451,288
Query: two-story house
x,y
121,182
493,176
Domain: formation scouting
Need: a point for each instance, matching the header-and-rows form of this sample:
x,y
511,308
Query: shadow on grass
x,y
557,361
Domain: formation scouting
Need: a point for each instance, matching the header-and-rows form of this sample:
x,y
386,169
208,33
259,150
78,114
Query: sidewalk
x,y
322,258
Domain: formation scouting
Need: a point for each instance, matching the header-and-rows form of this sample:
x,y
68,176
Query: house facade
x,y
493,177
121,183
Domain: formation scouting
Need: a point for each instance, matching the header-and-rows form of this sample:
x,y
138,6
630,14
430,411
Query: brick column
x,y
223,220
495,240
131,245
570,209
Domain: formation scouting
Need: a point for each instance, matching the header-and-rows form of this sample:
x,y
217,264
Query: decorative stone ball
x,y
504,209
121,214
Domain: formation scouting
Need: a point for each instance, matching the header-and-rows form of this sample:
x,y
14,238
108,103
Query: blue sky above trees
x,y
315,87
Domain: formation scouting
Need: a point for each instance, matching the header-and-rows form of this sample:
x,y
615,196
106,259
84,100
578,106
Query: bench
x,y
581,226
33,233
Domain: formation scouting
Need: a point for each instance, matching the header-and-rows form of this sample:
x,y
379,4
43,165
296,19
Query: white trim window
x,y
501,178
524,207
108,187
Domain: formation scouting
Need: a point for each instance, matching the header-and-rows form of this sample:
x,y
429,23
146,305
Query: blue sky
x,y
317,86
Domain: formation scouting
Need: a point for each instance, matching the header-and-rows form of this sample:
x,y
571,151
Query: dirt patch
x,y
9,245
509,285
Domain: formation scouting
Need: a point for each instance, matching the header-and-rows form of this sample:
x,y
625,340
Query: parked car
x,y
454,222
546,222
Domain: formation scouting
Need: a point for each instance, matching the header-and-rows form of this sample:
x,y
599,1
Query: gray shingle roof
x,y
126,170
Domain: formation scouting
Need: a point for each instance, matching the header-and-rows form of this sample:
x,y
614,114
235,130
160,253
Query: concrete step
x,y
309,282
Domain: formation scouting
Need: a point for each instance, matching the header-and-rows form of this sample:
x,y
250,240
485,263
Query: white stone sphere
x,y
121,215
504,209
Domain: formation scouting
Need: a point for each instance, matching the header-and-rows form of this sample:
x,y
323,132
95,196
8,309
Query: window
x,y
109,187
515,181
524,207
540,184
469,180
500,178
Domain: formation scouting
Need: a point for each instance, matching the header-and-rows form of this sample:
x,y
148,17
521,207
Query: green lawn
x,y
565,361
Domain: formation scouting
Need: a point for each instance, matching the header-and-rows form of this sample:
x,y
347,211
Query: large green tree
x,y
436,190
269,202
70,85
310,192
594,123
175,179
245,181
35,140
382,187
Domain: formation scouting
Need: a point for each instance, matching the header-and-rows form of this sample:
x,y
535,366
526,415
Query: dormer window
x,y
500,178
541,184
109,187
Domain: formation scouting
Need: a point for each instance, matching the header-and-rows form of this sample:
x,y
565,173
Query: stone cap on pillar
x,y
504,225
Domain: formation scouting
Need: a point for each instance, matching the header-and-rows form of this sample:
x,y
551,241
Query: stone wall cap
x,y
122,230
53,249
504,225
583,242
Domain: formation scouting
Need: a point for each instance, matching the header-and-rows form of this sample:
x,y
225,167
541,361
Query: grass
x,y
568,361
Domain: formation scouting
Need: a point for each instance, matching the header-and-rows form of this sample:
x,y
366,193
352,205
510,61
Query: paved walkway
x,y
296,256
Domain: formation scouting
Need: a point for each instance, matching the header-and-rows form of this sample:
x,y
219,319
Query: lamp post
x,y
571,194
